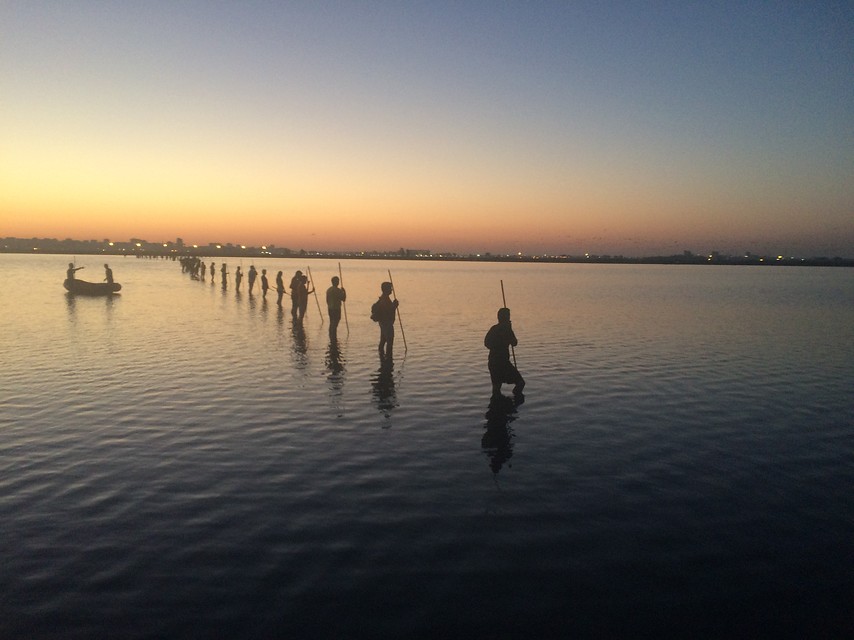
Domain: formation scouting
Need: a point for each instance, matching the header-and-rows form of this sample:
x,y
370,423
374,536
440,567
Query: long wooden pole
x,y
399,319
504,300
311,279
344,302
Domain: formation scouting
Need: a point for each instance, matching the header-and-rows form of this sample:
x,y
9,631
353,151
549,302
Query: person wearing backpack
x,y
383,312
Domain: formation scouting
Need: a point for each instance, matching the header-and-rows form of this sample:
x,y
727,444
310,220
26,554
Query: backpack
x,y
375,311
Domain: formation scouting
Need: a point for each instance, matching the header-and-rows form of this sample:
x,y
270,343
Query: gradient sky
x,y
631,128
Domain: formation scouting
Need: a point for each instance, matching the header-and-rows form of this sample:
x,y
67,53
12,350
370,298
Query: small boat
x,y
91,288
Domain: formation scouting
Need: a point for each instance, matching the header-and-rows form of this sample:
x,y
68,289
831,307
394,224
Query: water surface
x,y
180,460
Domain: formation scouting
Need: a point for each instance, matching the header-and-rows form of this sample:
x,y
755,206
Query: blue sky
x,y
609,127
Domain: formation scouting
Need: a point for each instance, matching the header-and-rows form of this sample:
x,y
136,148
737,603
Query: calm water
x,y
180,461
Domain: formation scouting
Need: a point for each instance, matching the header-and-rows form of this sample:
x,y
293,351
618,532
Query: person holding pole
x,y
335,296
304,289
499,340
383,311
341,279
69,273
296,282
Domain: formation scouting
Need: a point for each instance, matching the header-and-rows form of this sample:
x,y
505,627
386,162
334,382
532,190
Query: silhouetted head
x,y
263,271
106,266
70,265
504,315
386,287
335,280
279,274
298,273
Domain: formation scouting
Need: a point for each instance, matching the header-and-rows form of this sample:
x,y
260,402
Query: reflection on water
x,y
300,344
497,441
334,362
173,466
335,378
383,387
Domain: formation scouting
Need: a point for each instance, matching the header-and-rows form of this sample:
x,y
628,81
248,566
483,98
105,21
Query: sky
x,y
624,128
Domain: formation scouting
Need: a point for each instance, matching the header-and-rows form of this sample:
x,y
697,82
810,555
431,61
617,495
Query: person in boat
x,y
264,283
72,270
383,311
252,275
238,278
280,288
108,274
498,340
335,296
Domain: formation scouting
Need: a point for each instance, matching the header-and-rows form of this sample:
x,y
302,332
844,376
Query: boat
x,y
91,288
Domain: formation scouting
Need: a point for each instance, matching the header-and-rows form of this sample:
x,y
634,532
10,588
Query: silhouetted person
x,y
383,311
335,296
264,283
69,273
108,274
296,281
252,275
224,272
304,290
280,288
498,340
203,267
213,271
238,277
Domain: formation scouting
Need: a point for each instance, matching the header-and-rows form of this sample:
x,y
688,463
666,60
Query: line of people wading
x,y
499,340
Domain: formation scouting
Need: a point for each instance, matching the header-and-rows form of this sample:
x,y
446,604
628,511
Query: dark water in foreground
x,y
180,461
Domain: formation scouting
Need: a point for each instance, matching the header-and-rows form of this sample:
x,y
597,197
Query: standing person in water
x,y
305,290
108,274
252,275
498,340
69,273
238,277
383,311
213,271
280,288
335,295
264,283
224,271
296,282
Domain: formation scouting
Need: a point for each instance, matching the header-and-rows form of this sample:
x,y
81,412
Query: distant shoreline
x,y
175,251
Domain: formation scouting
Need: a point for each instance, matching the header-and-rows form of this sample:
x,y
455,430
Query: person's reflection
x,y
335,379
382,384
71,303
497,441
300,346
334,363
